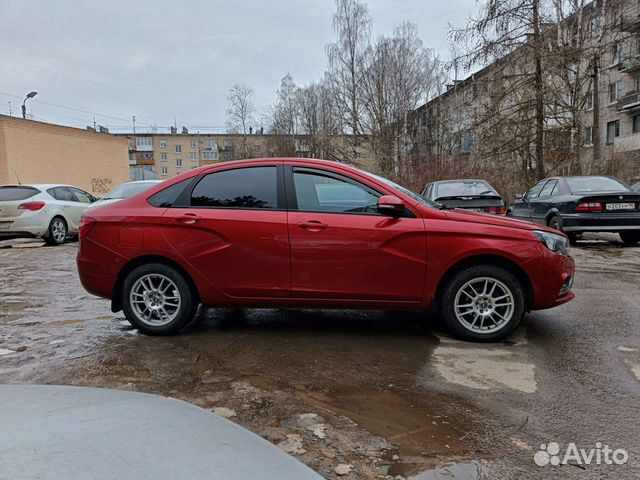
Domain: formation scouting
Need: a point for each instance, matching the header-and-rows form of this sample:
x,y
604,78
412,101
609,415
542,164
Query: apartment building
x,y
38,152
174,152
460,123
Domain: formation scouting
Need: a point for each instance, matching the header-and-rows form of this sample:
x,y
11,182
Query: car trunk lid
x,y
12,196
607,202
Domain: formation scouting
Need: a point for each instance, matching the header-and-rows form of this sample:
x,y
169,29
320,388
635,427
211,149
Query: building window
x,y
616,53
636,124
614,91
616,17
209,155
636,83
164,171
143,141
210,144
613,130
594,26
256,148
588,100
192,143
178,148
163,156
193,156
588,136
178,162
227,143
163,144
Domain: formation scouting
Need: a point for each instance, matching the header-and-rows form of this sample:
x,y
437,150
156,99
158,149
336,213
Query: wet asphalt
x,y
386,393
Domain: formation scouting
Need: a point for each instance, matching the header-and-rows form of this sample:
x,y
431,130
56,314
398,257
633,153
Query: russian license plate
x,y
475,209
620,206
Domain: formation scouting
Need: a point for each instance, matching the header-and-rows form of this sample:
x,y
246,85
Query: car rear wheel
x,y
157,300
57,232
483,303
631,237
555,222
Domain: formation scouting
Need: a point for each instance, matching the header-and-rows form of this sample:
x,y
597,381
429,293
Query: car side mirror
x,y
390,205
519,196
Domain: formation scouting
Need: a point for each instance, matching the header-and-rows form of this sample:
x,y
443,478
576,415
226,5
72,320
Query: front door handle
x,y
188,218
312,225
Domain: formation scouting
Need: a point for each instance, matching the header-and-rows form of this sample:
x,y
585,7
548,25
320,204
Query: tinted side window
x,y
319,193
548,189
252,187
168,197
533,193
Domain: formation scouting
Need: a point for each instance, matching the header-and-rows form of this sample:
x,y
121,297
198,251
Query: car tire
x,y
158,300
631,237
465,315
509,214
57,232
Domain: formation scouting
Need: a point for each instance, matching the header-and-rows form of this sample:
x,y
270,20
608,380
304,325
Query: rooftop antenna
x,y
10,111
133,117
175,123
94,122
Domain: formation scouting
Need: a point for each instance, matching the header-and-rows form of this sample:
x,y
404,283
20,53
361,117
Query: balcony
x,y
627,143
628,102
141,158
629,65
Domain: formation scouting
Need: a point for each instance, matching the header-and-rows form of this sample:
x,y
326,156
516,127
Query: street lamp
x,y
24,108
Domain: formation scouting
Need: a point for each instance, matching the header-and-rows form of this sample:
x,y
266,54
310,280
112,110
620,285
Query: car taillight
x,y
33,206
496,210
589,207
86,224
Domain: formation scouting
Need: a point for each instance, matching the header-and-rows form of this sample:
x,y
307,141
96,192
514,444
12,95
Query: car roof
x,y
40,186
458,180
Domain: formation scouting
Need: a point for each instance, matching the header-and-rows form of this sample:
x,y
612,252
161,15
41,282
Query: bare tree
x,y
240,109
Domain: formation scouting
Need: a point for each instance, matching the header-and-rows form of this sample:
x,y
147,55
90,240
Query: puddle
x,y
421,435
475,470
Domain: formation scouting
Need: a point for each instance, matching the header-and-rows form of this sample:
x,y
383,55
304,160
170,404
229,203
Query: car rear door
x,y
522,210
233,230
541,205
343,248
81,200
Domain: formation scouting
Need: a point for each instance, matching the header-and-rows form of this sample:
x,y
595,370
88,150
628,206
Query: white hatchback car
x,y
125,190
51,212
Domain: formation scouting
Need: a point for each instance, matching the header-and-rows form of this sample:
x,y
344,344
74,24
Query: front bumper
x,y
600,222
552,277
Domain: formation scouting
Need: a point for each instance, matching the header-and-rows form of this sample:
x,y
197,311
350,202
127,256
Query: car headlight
x,y
553,241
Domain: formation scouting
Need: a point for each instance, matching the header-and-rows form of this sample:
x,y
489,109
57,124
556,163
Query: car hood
x,y
495,220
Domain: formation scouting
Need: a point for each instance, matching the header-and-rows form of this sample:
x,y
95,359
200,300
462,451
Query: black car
x,y
582,204
469,194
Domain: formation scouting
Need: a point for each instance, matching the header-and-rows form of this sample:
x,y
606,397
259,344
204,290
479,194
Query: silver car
x,y
47,211
125,190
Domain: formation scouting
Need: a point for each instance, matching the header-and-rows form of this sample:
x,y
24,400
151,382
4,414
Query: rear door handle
x,y
312,225
188,218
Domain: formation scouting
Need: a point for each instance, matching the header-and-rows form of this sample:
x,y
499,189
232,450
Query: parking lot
x,y
358,394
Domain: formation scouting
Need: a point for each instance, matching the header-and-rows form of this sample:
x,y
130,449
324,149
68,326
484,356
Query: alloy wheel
x,y
58,231
484,305
155,299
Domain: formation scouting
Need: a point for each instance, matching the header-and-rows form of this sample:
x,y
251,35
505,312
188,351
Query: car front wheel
x,y
483,303
157,300
631,237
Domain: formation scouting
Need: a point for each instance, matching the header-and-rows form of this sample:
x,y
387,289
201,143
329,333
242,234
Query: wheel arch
x,y
489,259
554,212
116,299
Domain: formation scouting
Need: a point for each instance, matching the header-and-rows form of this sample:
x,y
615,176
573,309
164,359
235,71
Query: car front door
x,y
234,231
541,205
343,248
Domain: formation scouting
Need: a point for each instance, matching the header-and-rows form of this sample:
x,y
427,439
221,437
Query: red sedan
x,y
315,234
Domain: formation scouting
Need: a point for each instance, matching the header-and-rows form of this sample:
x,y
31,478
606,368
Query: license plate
x,y
620,206
5,225
475,209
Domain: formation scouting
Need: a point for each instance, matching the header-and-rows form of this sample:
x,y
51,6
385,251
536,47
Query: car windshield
x,y
464,188
596,184
406,191
127,190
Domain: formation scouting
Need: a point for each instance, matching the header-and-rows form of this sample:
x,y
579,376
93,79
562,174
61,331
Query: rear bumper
x,y
596,222
29,224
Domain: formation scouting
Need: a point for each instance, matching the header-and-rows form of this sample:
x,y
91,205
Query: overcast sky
x,y
164,59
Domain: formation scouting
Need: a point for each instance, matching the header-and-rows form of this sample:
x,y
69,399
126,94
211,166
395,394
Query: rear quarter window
x,y
8,194
169,196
